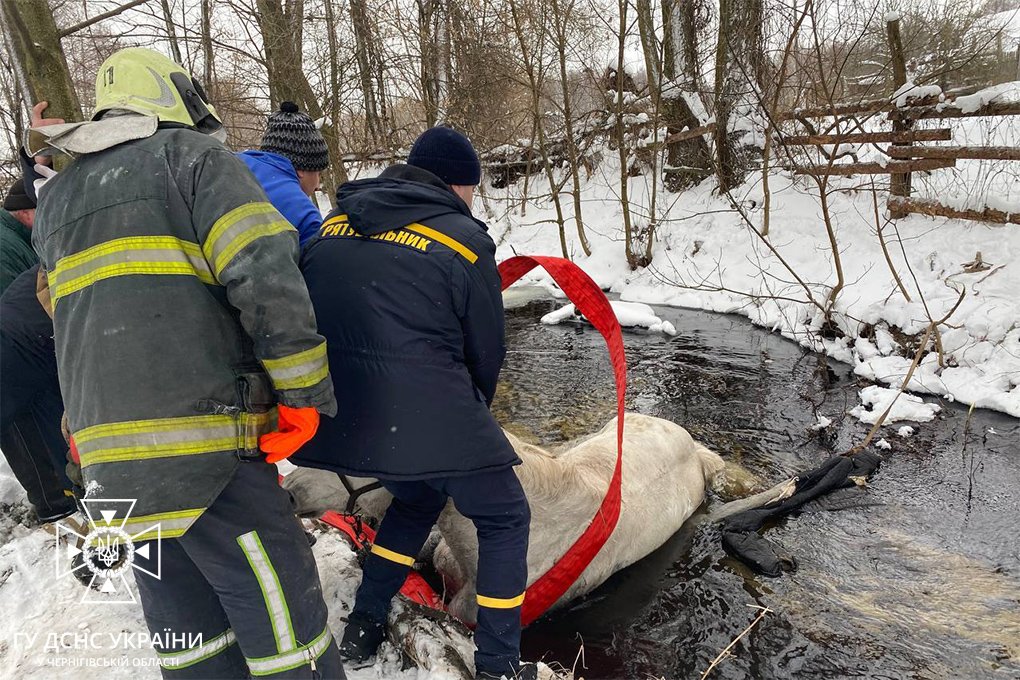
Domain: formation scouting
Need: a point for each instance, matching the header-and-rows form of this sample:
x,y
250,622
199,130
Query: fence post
x,y
899,184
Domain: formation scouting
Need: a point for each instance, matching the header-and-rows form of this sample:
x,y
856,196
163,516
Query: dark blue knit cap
x,y
448,155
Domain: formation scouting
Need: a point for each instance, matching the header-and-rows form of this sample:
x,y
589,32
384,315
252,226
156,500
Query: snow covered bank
x,y
47,633
707,256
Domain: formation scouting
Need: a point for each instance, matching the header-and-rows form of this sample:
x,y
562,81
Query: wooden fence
x,y
905,151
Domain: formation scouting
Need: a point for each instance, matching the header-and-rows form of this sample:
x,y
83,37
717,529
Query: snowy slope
x,y
36,605
707,257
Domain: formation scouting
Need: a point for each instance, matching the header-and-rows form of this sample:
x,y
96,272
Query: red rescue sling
x,y
590,301
551,586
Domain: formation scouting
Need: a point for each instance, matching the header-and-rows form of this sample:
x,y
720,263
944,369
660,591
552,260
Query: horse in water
x,y
666,474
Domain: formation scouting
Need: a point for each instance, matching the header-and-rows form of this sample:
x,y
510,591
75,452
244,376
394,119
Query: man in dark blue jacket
x,y
405,288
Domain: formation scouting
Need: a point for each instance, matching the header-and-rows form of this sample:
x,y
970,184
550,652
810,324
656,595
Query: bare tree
x,y
531,56
281,27
33,42
562,14
633,241
367,65
171,31
739,57
679,92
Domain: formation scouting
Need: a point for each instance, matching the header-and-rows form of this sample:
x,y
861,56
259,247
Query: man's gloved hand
x,y
296,426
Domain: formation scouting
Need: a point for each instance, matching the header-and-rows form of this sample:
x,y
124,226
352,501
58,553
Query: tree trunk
x,y
739,57
287,80
34,45
331,129
899,184
207,46
633,260
687,161
428,11
561,15
362,51
171,32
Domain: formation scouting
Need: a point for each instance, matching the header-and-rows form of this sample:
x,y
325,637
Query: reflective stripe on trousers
x,y
190,657
301,656
269,582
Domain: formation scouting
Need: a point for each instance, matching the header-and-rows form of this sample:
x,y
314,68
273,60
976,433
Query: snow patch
x,y
822,423
905,431
1002,93
904,406
910,90
629,314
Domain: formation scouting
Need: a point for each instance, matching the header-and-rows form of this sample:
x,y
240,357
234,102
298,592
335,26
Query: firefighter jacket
x,y
180,320
406,291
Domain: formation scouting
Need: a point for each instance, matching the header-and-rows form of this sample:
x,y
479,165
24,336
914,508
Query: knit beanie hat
x,y
448,155
293,135
17,199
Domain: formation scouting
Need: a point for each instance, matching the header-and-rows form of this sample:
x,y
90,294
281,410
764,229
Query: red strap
x,y
593,304
362,536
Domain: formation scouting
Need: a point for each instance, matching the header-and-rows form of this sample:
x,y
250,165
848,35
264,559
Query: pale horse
x,y
665,477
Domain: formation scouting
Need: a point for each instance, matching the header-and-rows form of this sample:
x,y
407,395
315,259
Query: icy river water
x,y
916,577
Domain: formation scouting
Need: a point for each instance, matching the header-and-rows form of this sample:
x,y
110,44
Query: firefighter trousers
x,y
239,593
496,504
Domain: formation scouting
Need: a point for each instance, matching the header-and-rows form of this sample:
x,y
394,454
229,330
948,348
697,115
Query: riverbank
x,y
708,255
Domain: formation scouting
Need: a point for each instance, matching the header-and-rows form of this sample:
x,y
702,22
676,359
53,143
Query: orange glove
x,y
296,426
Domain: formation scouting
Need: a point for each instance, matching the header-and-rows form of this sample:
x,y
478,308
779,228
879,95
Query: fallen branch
x,y
890,168
922,206
726,652
689,134
998,153
953,111
902,137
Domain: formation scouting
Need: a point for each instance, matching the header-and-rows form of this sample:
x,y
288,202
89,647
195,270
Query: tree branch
x,y
100,17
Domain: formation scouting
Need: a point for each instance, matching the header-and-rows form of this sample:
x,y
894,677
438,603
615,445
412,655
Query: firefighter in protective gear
x,y
181,322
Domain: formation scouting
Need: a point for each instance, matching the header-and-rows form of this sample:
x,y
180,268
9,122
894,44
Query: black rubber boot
x,y
362,638
526,671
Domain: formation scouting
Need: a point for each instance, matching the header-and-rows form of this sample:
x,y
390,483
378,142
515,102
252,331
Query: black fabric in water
x,y
740,533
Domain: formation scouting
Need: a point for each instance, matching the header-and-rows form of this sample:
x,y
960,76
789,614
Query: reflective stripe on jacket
x,y
180,319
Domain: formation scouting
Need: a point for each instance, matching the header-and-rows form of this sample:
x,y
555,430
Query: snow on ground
x,y
707,256
102,640
629,314
904,407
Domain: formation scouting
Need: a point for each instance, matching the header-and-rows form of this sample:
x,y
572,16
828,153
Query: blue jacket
x,y
279,180
405,289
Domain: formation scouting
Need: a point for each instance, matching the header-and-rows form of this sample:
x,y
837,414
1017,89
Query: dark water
x,y
916,577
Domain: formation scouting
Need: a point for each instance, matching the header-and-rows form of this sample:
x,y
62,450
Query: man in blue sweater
x,y
289,166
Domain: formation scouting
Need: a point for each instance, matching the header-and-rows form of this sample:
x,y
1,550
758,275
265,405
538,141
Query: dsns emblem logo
x,y
102,551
